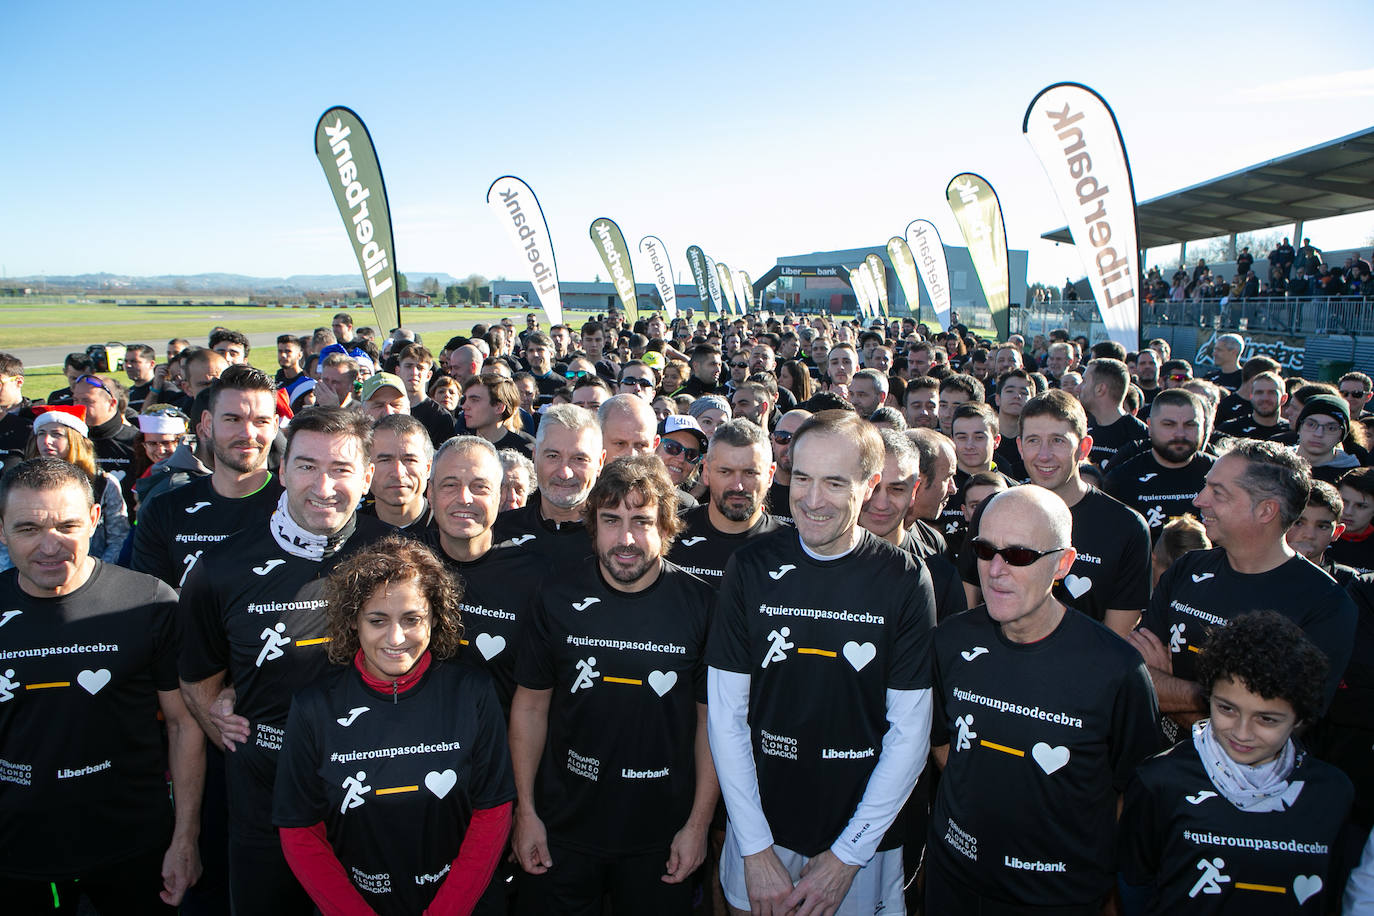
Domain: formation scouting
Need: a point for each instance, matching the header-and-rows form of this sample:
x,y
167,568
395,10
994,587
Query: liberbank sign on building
x,y
814,283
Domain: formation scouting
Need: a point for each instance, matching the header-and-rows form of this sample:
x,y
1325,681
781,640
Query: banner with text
x,y
713,284
899,253
860,293
726,279
518,210
696,263
1076,136
652,247
979,215
610,244
345,150
744,290
878,271
929,254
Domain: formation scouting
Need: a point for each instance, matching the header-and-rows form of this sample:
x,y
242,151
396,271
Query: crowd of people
x,y
773,614
1267,294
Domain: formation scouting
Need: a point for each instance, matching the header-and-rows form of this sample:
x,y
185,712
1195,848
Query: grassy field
x,y
53,321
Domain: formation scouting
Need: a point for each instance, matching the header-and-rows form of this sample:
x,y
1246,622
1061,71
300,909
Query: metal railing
x,y
1292,315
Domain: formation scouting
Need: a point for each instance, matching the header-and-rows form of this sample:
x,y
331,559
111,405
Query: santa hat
x,y
71,416
161,424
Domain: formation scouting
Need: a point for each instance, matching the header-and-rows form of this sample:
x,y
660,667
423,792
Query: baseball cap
x,y
654,360
678,423
382,380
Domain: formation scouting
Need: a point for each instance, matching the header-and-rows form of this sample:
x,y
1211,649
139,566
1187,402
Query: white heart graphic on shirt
x,y
94,681
1077,585
1304,886
1050,758
859,654
489,645
440,783
661,681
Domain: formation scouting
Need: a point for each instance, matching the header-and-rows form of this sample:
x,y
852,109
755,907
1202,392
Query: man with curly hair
x,y
613,774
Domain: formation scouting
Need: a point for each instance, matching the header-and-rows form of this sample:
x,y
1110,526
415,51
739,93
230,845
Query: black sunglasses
x,y
740,365
641,382
781,438
675,448
1015,556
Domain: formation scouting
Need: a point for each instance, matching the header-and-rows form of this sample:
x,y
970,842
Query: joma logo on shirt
x,y
691,542
193,509
584,603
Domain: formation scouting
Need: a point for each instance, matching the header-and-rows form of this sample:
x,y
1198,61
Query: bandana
x,y
298,542
1257,789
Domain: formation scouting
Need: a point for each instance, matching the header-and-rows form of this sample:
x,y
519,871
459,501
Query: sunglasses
x,y
676,449
640,382
1179,377
1014,556
580,373
781,438
739,365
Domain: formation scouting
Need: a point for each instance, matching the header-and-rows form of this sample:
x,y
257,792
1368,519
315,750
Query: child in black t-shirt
x,y
1237,818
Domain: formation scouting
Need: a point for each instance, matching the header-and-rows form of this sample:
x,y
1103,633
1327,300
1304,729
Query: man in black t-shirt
x,y
499,582
1103,394
608,726
1041,716
1110,579
781,439
567,458
178,527
738,470
1253,494
1162,483
255,617
87,661
820,704
112,435
1259,417
402,456
1226,353
415,369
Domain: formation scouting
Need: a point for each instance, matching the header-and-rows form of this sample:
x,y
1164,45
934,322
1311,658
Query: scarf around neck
x,y
298,542
1257,789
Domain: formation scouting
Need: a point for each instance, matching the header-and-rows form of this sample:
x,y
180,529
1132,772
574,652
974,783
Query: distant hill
x,y
218,283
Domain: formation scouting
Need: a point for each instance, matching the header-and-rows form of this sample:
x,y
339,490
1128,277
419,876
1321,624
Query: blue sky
x,y
148,138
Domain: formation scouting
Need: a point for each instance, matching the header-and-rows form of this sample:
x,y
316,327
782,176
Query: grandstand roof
x,y
1332,179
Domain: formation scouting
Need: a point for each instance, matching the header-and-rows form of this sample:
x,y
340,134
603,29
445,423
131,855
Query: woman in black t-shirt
x,y
394,788
1238,818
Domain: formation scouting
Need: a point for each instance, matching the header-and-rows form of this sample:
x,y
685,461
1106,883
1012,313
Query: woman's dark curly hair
x,y
392,559
1271,656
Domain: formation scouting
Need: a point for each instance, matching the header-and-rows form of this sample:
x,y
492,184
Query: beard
x,y
738,509
1177,450
233,460
622,573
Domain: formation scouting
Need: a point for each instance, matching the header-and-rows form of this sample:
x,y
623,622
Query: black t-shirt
x,y
703,551
1108,440
1156,492
1112,571
1228,380
1232,407
1201,854
558,543
822,642
499,590
953,525
114,443
1007,458
178,527
1042,739
422,529
944,578
138,394
1357,554
518,441
627,672
15,431
438,422
925,540
1244,426
1201,590
259,614
779,501
1345,735
82,764
394,779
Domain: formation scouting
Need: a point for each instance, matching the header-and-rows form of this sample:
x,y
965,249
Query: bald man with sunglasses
x,y
1034,762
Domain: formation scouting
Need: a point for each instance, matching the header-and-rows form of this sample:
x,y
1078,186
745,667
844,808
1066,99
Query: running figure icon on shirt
x,y
586,670
353,798
777,650
273,641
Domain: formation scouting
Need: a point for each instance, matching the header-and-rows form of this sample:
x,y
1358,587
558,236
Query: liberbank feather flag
x,y
345,150
696,262
652,247
860,292
610,244
744,294
878,271
929,254
979,215
899,252
1073,131
726,279
713,285
518,210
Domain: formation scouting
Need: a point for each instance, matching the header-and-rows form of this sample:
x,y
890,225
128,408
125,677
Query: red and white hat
x,y
71,416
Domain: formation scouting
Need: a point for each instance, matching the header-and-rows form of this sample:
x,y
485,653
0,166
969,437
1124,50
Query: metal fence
x,y
1349,315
